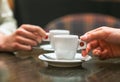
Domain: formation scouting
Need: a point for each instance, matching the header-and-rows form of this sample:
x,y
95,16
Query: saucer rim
x,y
41,57
62,63
49,49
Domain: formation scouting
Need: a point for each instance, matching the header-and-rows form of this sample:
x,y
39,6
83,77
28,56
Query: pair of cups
x,y
64,44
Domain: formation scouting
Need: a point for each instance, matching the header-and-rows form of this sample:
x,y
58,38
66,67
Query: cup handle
x,y
81,44
48,38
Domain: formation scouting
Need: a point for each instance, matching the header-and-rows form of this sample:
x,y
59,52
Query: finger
x,y
97,51
84,52
93,44
26,34
26,41
18,46
39,38
105,54
97,29
102,54
89,47
33,28
95,34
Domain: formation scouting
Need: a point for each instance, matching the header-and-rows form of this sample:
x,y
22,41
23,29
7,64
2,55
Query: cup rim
x,y
58,31
65,36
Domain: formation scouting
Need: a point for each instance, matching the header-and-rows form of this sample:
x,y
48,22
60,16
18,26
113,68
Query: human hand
x,y
104,42
25,37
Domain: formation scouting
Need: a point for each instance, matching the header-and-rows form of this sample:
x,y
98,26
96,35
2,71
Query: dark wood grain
x,y
31,69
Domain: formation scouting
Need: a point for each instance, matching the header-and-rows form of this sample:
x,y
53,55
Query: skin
x,y
24,38
104,42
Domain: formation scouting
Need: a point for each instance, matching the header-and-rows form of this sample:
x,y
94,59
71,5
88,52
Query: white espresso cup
x,y
66,46
51,34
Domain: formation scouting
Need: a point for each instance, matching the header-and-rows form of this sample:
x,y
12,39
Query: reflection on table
x,y
26,67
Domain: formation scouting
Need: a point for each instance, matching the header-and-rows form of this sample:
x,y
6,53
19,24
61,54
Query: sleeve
x,y
7,22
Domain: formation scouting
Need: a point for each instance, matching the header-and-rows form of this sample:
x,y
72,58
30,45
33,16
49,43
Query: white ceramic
x,y
66,46
64,63
55,32
47,47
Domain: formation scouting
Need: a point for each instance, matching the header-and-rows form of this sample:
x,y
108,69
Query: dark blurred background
x,y
40,12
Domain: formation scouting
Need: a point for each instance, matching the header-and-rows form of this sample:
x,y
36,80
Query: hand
x,y
104,42
25,37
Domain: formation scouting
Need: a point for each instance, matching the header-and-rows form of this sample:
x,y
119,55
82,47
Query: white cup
x,y
66,46
55,32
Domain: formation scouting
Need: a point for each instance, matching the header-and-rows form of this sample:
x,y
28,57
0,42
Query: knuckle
x,y
15,45
19,31
105,30
17,39
23,25
103,27
33,43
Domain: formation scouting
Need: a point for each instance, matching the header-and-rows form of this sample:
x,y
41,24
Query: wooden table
x,y
24,68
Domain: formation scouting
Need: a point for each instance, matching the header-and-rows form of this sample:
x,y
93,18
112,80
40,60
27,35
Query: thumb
x,y
100,34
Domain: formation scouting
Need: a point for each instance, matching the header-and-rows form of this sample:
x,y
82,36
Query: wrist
x,y
2,42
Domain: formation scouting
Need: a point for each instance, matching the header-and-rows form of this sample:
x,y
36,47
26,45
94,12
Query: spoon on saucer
x,y
48,57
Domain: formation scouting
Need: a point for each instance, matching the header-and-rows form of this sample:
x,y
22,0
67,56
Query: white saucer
x,y
47,47
63,63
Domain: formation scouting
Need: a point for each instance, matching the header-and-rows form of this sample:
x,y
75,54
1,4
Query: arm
x,y
7,21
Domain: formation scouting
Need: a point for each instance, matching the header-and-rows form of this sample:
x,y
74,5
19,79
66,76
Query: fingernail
x,y
39,39
97,53
84,37
46,37
84,52
29,48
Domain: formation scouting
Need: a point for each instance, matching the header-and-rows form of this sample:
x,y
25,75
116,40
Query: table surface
x,y
26,67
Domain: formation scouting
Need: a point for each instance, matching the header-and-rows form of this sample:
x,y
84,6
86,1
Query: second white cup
x,y
55,32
